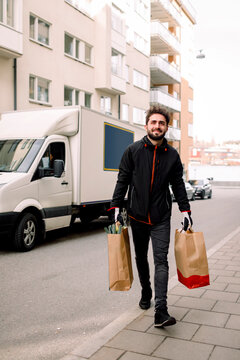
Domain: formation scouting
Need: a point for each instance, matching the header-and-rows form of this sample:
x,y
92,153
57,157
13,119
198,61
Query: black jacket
x,y
146,171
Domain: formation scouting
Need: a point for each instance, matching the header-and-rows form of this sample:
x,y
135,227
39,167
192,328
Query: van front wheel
x,y
26,233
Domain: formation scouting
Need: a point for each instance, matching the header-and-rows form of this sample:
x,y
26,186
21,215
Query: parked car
x,y
189,189
203,188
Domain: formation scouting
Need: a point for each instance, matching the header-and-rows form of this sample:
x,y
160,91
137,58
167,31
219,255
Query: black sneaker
x,y
145,301
162,318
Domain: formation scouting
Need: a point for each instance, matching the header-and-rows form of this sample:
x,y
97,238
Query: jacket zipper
x,y
153,169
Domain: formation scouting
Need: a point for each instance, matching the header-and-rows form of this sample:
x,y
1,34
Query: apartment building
x,y
71,52
171,68
114,56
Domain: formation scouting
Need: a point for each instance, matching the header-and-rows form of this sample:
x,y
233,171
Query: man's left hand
x,y
187,220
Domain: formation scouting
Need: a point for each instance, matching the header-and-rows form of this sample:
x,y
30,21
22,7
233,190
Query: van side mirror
x,y
58,168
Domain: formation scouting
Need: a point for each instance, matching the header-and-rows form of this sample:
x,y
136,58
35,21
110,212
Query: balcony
x,y
162,41
11,37
157,96
173,134
118,85
164,11
188,9
11,42
162,72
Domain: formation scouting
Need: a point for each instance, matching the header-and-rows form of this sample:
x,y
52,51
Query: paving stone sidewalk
x,y
208,320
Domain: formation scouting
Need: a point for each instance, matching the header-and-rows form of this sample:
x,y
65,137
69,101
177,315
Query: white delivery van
x,y
56,165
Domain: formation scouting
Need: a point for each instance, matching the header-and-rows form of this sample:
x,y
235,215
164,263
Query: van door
x,y
55,194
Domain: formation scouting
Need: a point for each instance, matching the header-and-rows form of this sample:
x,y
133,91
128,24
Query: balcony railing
x,y
166,12
162,72
162,41
173,134
189,9
118,85
157,96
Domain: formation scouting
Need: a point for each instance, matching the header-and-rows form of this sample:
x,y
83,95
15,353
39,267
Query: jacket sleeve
x,y
178,186
124,179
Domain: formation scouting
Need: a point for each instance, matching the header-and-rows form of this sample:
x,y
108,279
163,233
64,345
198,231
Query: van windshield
x,y
18,155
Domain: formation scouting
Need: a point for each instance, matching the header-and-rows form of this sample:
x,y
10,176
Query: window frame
x,y
117,23
80,48
140,114
125,110
119,64
35,36
140,80
104,106
78,94
5,15
36,90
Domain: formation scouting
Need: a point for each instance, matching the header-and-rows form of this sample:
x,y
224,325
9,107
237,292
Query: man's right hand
x,y
115,216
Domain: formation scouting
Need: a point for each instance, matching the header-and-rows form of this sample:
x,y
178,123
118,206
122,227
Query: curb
x,y
96,341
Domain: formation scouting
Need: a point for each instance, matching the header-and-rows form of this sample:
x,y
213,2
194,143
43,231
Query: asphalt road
x,y
56,296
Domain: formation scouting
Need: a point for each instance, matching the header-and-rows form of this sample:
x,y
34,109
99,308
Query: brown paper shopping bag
x,y
120,262
191,259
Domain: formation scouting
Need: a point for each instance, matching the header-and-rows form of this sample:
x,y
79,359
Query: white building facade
x,y
118,57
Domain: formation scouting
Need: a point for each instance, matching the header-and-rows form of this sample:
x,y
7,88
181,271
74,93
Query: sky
x,y
216,114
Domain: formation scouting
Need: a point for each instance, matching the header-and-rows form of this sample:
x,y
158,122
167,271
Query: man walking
x,y
147,168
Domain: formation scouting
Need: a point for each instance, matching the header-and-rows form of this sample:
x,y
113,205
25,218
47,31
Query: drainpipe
x,y
15,82
119,107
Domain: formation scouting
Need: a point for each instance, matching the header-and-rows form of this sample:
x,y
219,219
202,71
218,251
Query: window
x,y
7,12
68,45
138,116
190,130
175,123
117,19
141,44
18,155
127,73
69,96
87,100
190,105
105,105
55,151
78,49
87,54
140,80
117,60
39,89
125,109
128,34
76,97
39,30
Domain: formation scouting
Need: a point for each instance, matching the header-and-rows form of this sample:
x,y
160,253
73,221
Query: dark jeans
x,y
160,236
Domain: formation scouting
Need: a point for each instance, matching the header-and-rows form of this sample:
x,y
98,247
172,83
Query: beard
x,y
156,137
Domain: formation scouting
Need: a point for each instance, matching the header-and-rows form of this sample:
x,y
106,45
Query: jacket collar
x,y
148,144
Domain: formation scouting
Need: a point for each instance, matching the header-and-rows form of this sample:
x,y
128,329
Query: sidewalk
x,y
208,319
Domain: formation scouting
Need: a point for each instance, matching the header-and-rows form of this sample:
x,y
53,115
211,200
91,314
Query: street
x,y
56,296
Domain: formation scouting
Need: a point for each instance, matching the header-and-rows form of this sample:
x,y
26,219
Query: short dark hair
x,y
155,109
